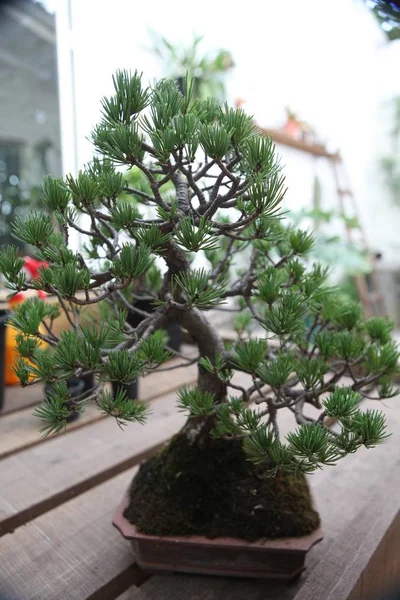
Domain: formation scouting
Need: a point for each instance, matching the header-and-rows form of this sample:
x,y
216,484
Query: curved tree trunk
x,y
210,344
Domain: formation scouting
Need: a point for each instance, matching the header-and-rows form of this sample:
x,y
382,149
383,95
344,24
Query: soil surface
x,y
215,491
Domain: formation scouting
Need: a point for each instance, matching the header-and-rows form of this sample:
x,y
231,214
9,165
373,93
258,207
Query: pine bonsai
x,y
227,472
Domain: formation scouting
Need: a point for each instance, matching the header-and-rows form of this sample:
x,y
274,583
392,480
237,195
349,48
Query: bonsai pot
x,y
76,388
279,559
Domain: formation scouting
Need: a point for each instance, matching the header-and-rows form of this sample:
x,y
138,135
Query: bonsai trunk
x,y
210,345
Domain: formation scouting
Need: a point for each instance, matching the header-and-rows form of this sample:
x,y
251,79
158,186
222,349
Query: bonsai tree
x,y
227,472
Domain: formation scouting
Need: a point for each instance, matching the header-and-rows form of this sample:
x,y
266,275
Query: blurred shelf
x,y
280,137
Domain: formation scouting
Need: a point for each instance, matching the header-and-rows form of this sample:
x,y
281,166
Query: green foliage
x,y
311,445
379,329
22,371
185,128
56,195
152,238
26,346
152,350
248,355
84,189
123,366
153,278
341,403
259,444
194,238
310,371
67,281
348,316
57,253
301,242
264,198
247,420
215,140
198,289
124,214
243,322
122,408
11,266
347,345
259,156
167,102
238,123
121,143
130,98
276,372
269,284
195,402
80,348
369,427
54,410
383,358
170,213
132,261
28,316
35,230
325,341
287,316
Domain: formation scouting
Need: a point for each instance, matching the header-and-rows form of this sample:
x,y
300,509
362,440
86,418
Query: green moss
x,y
214,491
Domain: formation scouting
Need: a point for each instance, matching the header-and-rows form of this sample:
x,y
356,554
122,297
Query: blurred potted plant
x,y
348,260
390,164
206,72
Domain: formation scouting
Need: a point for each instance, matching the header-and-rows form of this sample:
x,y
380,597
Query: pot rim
x,y
292,545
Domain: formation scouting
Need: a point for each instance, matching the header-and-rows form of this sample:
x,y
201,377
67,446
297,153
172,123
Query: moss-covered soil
x,y
214,491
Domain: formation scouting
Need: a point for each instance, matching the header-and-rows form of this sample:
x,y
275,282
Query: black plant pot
x,y
76,388
174,336
173,330
131,389
3,319
88,381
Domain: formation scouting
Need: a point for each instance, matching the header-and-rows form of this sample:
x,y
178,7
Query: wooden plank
x,y
17,398
129,594
382,573
20,430
364,560
35,480
182,587
71,552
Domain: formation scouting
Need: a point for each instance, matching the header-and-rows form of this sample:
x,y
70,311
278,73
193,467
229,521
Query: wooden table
x,y
58,497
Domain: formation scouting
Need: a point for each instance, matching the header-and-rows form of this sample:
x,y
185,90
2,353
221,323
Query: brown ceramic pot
x,y
280,559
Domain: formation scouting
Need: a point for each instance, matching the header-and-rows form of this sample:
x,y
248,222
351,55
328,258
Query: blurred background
x,y
321,77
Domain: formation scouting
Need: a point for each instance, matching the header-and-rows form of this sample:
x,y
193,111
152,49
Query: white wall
x,y
326,60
